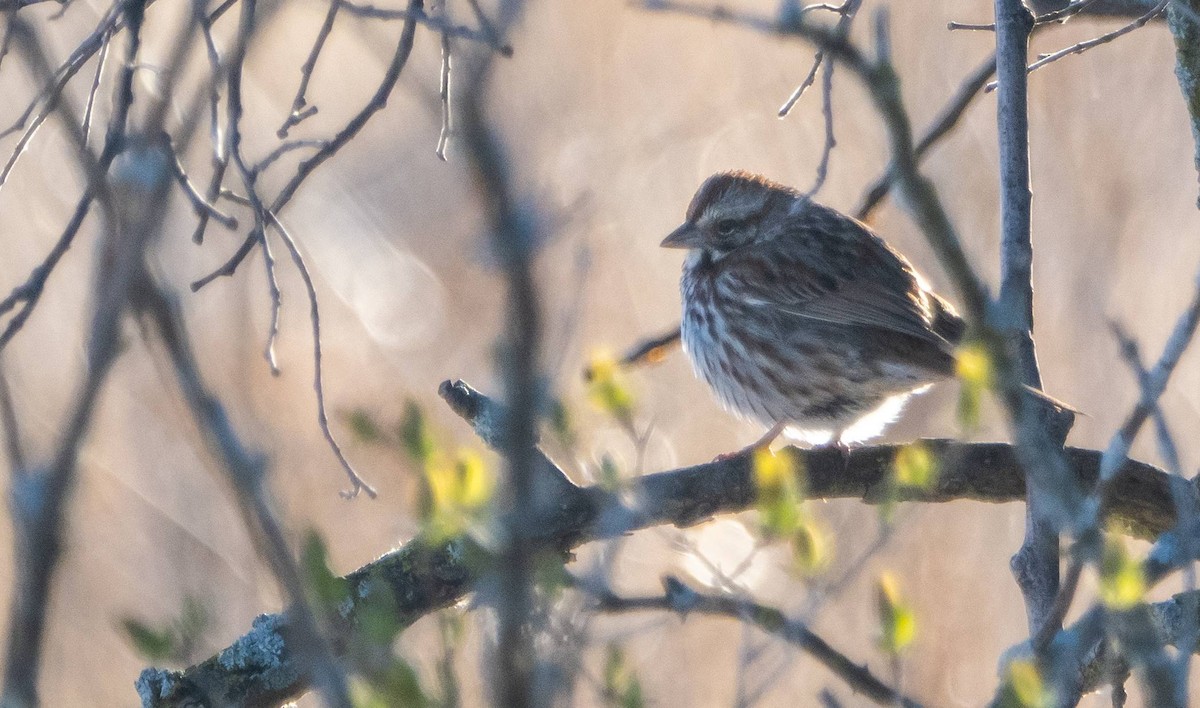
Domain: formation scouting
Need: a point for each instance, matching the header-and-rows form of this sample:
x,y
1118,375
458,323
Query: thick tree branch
x,y
260,668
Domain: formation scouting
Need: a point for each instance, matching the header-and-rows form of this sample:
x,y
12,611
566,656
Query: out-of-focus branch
x,y
39,496
1182,19
260,668
684,600
941,126
514,238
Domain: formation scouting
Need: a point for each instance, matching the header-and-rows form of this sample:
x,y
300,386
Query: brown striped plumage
x,y
799,316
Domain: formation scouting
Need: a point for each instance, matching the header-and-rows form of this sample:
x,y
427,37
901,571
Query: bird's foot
x,y
842,449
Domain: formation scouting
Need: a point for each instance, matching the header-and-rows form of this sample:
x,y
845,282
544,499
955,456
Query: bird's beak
x,y
686,236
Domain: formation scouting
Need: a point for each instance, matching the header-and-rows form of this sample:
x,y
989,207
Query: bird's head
x,y
731,210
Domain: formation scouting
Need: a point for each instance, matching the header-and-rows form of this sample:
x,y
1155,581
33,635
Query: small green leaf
x,y
915,466
152,644
414,433
610,473
608,389
396,686
1122,578
1024,687
897,621
973,366
621,686
326,587
810,547
459,493
363,426
779,499
561,425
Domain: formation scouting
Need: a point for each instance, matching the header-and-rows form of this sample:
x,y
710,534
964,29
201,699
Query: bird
x,y
802,318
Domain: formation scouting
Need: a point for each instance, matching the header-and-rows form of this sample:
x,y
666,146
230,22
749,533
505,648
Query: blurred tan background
x,y
613,116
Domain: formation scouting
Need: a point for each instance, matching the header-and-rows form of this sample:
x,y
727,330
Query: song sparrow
x,y
802,318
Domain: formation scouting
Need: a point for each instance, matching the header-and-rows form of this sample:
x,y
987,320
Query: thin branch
x,y
357,482
300,108
940,127
684,600
444,97
276,305
846,10
438,24
1186,505
220,157
40,498
284,148
1055,16
28,293
1081,47
51,94
12,429
197,200
1153,387
91,99
809,78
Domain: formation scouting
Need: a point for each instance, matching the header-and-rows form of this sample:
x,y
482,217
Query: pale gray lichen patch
x,y
154,685
260,648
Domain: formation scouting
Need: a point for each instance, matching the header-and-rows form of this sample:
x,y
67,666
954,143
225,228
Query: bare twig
x,y
846,10
11,428
809,78
439,24
940,127
1184,497
276,305
91,99
444,96
1081,47
199,203
300,108
284,148
684,600
1046,18
220,157
357,482
1153,387
50,96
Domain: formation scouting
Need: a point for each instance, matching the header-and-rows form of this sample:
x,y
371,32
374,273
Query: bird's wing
x,y
849,281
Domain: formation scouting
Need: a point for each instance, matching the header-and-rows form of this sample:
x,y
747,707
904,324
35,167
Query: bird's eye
x,y
726,227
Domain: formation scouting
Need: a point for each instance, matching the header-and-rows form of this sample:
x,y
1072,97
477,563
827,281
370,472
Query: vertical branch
x,y
513,240
1015,301
1036,564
